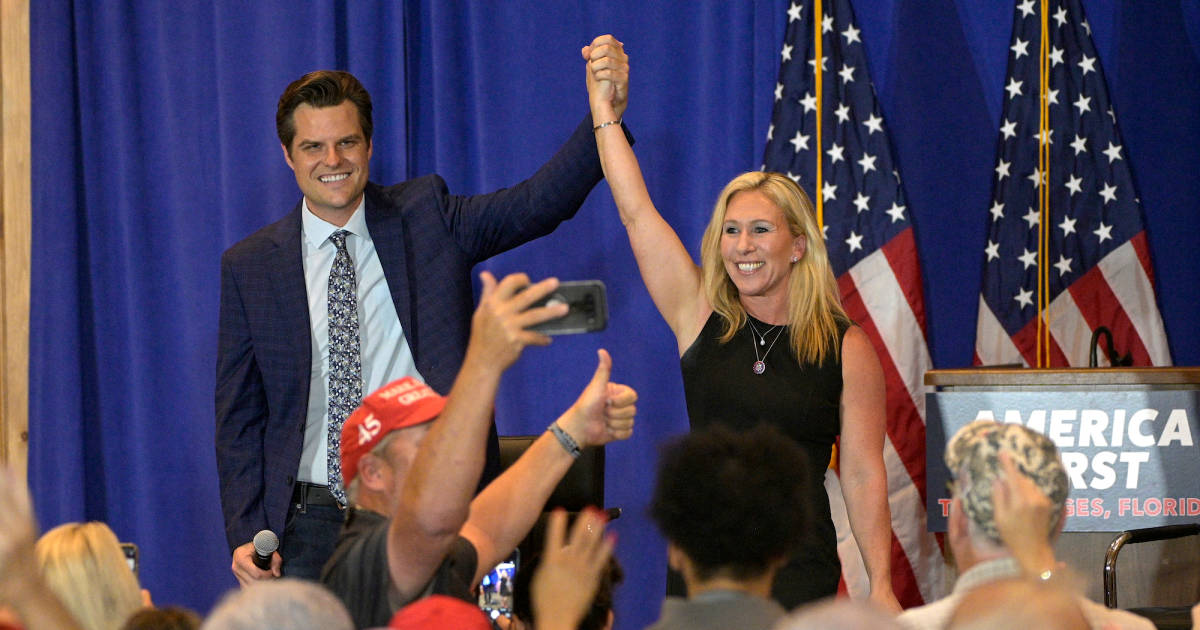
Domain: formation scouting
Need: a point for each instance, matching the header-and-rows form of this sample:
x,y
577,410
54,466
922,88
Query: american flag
x,y
869,235
1097,261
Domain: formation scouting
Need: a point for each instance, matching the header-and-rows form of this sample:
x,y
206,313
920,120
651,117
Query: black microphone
x,y
265,544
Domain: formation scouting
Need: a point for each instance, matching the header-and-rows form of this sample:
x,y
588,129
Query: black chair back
x,y
583,485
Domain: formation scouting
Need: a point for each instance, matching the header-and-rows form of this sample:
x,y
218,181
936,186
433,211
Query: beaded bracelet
x,y
568,443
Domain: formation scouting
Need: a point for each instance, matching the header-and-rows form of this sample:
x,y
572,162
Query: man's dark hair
x,y
322,88
734,502
602,603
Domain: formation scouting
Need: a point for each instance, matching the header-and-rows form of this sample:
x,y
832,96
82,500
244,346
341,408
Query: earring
x,y
795,259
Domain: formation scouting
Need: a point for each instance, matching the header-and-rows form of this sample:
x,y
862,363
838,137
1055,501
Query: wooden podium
x,y
1163,573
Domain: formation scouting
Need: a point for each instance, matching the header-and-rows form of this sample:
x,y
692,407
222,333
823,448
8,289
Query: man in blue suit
x,y
408,251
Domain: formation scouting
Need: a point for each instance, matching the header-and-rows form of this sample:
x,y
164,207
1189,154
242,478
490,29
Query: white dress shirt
x,y
384,348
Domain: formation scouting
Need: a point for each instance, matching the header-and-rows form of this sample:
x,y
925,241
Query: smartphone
x,y
587,304
496,588
131,556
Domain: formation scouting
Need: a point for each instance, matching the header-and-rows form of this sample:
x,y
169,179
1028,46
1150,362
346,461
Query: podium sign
x,y
1130,450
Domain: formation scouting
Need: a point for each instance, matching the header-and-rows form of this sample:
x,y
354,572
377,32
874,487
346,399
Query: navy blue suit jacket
x,y
427,240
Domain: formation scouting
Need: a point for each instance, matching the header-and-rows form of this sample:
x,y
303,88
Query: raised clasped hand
x,y
607,77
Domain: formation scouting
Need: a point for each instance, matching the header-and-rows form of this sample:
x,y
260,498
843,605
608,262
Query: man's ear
x,y
287,156
956,522
1058,529
674,557
372,471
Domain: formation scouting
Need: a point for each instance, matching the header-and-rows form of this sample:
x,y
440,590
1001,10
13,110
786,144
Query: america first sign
x,y
1131,456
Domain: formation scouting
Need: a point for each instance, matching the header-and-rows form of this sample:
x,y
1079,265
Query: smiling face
x,y
329,155
757,246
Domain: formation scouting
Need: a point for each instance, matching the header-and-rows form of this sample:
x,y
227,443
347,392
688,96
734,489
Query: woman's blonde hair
x,y
85,567
814,306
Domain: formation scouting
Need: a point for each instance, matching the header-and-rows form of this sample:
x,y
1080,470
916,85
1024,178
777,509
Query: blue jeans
x,y
309,538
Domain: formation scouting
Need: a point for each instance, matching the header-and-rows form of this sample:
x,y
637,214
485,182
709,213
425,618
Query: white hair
x,y
283,604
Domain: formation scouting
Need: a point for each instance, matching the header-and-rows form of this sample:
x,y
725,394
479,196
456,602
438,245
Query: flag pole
x,y
1043,314
820,83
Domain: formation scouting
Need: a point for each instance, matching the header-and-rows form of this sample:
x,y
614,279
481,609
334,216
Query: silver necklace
x,y
760,362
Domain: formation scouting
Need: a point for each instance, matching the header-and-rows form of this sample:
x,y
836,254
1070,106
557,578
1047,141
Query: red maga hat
x,y
402,403
438,612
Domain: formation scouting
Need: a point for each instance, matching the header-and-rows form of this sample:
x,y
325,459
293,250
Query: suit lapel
x,y
388,235
285,266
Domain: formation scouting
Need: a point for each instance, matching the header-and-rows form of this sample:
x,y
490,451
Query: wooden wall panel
x,y
15,211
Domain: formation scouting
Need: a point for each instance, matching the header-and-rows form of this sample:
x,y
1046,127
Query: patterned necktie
x,y
345,364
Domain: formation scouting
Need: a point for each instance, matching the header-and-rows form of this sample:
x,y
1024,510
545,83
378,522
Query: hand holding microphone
x,y
265,544
258,559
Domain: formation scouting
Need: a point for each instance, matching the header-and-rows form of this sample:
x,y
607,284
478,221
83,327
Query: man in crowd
x,y
733,507
357,286
1007,505
1017,603
840,613
288,604
412,460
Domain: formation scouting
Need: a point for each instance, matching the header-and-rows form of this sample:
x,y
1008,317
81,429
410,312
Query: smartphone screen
x,y
496,589
587,302
131,556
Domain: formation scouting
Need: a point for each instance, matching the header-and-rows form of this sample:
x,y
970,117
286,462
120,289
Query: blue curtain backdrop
x,y
154,149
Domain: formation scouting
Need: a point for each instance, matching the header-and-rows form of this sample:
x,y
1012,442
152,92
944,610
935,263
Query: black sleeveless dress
x,y
802,401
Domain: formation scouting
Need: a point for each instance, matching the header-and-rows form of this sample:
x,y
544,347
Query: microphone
x,y
265,544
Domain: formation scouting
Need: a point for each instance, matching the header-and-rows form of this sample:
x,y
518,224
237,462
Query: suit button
x,y
290,480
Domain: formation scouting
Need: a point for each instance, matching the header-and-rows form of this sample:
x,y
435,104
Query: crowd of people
x,y
1009,492
394,509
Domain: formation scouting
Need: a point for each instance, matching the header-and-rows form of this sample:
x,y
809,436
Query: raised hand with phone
x,y
412,461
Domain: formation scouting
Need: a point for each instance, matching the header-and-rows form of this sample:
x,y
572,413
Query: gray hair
x,y
283,604
973,457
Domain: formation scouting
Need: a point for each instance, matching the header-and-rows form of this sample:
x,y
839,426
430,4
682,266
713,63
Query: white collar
x,y
317,230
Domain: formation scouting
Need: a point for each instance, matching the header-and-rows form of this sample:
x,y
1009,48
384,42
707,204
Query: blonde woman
x,y
762,338
25,600
83,565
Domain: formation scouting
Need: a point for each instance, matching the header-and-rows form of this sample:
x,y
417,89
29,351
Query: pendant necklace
x,y
760,339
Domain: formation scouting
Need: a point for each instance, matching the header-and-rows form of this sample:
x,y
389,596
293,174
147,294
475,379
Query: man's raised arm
x,y
437,490
507,509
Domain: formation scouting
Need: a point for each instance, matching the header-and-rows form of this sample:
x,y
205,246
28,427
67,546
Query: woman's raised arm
x,y
671,277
